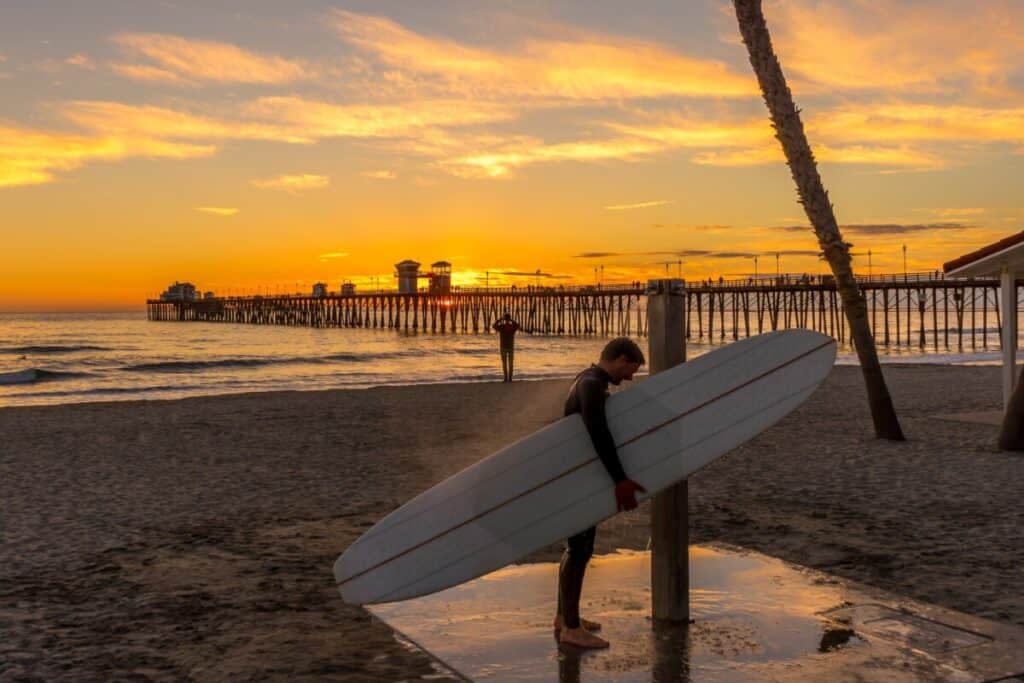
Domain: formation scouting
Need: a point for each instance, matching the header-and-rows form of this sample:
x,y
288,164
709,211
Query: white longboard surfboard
x,y
551,484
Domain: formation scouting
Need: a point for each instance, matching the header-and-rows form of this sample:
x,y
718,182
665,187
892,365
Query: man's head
x,y
621,358
506,316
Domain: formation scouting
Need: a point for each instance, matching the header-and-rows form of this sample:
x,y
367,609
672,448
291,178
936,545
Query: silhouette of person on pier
x,y
506,328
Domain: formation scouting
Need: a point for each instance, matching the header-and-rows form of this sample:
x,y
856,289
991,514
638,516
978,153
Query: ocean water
x,y
65,358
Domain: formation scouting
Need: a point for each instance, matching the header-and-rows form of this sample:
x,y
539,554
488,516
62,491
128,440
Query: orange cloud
x,y
444,131
283,119
293,183
218,210
678,131
851,134
588,66
905,121
322,119
331,255
184,60
527,151
898,157
144,72
81,61
116,131
380,175
31,157
923,47
159,122
638,205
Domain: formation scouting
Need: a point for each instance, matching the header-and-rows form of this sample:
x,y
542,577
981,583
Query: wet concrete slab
x,y
756,618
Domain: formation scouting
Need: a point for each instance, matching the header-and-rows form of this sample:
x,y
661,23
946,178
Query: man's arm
x,y
591,401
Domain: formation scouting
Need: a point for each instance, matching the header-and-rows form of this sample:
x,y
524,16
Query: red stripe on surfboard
x,y
584,464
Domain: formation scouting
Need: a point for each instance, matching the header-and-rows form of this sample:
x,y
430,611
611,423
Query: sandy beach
x,y
195,538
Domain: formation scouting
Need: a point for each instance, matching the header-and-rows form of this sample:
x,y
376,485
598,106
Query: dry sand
x,y
195,538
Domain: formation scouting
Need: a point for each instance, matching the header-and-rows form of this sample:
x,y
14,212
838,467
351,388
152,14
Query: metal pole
x,y
670,572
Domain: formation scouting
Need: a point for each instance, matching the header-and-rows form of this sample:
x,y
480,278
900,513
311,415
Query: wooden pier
x,y
915,311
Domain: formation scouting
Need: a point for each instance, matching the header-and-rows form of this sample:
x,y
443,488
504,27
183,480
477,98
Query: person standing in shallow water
x,y
620,359
506,328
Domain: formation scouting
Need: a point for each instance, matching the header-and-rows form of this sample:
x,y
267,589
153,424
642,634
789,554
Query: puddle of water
x,y
749,610
756,618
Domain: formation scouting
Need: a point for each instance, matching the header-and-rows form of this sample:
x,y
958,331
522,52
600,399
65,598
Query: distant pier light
x,y
440,277
180,291
319,290
408,273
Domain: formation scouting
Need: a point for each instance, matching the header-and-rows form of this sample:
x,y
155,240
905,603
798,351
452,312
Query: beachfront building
x,y
319,290
440,277
1003,259
180,291
408,273
348,289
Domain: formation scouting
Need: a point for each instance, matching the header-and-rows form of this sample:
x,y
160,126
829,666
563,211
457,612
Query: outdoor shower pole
x,y
670,571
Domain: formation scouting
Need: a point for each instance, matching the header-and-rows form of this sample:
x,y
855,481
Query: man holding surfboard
x,y
620,359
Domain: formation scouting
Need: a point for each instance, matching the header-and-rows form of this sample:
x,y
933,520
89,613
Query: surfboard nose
x,y
346,567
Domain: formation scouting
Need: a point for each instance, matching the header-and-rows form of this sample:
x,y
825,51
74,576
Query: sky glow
x,y
261,145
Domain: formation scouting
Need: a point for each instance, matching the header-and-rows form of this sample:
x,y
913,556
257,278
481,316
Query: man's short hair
x,y
623,346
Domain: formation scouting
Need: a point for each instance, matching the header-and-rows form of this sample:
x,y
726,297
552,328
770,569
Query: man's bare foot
x,y
581,637
585,623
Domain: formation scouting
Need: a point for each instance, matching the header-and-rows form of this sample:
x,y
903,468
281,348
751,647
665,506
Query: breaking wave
x,y
34,375
50,349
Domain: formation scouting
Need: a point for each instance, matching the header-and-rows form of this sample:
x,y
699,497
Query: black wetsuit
x,y
587,397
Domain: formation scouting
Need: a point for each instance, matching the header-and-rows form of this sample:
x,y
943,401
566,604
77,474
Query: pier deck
x,y
918,310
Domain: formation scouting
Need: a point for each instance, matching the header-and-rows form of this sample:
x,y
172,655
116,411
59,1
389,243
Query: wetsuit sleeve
x,y
591,400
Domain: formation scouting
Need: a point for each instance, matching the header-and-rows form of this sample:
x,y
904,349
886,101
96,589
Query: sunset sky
x,y
245,145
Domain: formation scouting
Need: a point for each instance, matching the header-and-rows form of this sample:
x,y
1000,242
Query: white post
x,y
1008,294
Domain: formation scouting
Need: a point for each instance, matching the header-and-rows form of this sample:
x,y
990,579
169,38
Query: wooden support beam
x,y
670,573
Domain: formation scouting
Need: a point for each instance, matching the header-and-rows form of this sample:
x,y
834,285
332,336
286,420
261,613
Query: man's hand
x,y
625,494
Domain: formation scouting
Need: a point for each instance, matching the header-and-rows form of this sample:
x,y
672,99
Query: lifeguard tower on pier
x,y
439,278
408,273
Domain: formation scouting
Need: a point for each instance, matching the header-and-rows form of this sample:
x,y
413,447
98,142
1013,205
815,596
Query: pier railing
x,y
913,310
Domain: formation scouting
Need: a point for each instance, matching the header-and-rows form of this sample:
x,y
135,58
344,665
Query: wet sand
x,y
195,538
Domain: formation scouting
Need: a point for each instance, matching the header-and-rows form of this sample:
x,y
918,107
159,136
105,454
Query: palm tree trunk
x,y
1011,433
790,132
